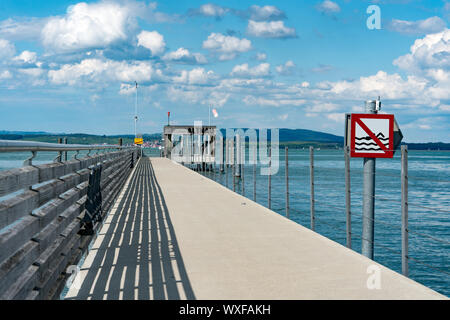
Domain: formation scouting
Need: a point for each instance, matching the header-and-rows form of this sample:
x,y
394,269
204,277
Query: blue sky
x,y
70,66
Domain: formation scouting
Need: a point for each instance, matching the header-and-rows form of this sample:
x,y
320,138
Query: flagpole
x,y
135,113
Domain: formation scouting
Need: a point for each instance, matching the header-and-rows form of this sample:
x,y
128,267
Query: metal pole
x,y
269,188
65,152
238,156
311,178
347,197
405,268
286,155
60,153
233,168
227,160
222,160
368,198
243,173
135,113
254,175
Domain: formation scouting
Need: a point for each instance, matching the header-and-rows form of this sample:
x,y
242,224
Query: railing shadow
x,y
139,256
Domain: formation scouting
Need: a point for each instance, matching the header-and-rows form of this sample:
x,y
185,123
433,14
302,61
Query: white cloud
x,y
183,55
26,57
322,68
25,29
260,101
32,72
5,74
337,117
265,13
96,70
271,29
328,7
260,56
7,49
227,46
186,96
212,10
430,52
195,76
95,25
286,69
430,25
390,86
319,107
243,70
217,98
127,89
153,41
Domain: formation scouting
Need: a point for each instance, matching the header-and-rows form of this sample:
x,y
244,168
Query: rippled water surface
x,y
429,203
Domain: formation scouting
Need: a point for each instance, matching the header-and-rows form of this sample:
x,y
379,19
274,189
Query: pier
x,y
118,225
165,238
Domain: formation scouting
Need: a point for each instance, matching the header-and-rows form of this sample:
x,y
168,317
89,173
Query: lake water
x,y
429,203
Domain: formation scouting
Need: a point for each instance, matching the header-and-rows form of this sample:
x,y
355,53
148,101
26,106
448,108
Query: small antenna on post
x,y
378,104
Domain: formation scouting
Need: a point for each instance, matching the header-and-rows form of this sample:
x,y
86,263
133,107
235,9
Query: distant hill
x,y
75,138
299,138
294,138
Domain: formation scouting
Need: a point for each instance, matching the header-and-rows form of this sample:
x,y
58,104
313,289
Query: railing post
x,y
405,268
93,212
65,152
347,197
286,155
269,187
243,175
237,169
222,160
233,166
311,175
254,174
227,161
60,153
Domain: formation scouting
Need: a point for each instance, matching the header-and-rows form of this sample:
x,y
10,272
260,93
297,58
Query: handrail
x,y
33,146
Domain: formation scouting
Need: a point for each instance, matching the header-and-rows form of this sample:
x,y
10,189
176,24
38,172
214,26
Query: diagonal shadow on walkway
x,y
136,255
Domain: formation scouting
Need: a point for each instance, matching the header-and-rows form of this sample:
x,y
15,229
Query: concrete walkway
x,y
174,234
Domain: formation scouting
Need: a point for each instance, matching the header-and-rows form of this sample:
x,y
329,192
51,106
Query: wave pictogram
x,y
367,144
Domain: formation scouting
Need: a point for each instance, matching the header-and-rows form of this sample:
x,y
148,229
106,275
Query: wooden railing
x,y
42,219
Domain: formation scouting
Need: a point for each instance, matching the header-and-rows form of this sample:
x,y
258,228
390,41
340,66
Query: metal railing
x,y
19,146
345,231
34,147
49,213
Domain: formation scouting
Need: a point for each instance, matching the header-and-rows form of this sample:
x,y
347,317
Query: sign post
x,y
368,197
370,136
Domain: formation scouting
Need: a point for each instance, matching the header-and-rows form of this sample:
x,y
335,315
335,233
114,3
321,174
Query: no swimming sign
x,y
372,135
